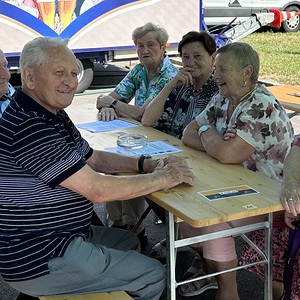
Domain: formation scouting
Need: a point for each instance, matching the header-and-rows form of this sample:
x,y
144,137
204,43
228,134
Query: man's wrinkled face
x,y
54,83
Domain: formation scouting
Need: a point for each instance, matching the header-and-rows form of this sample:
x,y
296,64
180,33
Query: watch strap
x,y
113,104
141,162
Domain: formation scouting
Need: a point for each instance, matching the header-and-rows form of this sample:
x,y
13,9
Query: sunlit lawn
x,y
279,54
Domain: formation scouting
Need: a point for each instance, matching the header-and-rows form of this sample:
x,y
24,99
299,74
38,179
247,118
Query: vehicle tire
x,y
292,24
85,75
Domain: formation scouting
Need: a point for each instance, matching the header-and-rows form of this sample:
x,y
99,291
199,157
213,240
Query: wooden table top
x,y
288,95
184,201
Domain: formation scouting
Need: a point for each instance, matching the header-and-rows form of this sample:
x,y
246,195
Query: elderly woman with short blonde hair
x,y
243,124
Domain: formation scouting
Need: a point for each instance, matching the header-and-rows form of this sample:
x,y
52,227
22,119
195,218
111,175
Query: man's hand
x,y
177,173
156,164
107,114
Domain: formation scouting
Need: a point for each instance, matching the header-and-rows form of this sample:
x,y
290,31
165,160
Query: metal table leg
x,y
171,263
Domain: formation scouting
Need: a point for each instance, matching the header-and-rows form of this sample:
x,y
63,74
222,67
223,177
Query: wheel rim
x,y
293,22
80,70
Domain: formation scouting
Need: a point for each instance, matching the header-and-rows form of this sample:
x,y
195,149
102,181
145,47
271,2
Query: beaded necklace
x,y
204,85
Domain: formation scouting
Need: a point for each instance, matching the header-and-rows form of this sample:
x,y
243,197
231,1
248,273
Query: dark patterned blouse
x,y
182,106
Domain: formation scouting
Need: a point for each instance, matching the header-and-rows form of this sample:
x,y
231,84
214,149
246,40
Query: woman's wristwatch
x,y
203,128
113,104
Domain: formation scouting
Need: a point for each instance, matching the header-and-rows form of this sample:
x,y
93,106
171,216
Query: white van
x,y
220,12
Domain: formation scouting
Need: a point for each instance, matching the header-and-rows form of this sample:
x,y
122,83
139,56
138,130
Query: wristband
x,y
141,162
113,104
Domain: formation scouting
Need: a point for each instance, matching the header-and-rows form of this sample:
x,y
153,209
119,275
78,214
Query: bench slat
x,y
119,295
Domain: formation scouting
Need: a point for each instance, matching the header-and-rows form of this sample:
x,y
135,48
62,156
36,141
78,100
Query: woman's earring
x,y
245,83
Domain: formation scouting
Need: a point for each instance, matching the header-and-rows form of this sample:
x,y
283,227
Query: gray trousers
x,y
108,261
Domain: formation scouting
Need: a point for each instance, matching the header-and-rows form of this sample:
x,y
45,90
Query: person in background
x,y
290,200
145,80
5,99
188,93
290,188
49,179
183,98
143,83
243,124
6,89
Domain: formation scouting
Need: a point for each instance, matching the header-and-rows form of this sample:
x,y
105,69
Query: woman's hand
x,y
104,101
290,198
107,114
230,133
290,218
182,77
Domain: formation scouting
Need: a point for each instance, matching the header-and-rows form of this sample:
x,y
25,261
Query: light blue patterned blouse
x,y
135,83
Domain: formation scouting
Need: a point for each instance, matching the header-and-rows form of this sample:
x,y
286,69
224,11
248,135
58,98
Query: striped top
x,y
38,217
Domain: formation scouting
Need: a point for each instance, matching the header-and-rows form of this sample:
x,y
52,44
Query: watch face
x,y
204,128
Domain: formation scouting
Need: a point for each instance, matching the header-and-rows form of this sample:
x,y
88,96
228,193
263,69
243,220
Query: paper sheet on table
x,y
152,148
101,126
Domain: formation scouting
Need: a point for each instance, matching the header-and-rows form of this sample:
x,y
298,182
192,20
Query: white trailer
x,y
98,30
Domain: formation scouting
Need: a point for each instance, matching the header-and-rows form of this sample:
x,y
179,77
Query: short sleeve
x,y
128,85
297,141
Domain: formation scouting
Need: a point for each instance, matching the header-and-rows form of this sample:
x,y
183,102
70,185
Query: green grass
x,y
279,56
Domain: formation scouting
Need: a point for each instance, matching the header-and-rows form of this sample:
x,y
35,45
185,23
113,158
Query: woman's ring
x,y
290,199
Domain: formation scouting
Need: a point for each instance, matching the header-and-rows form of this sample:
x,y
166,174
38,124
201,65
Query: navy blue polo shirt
x,y
38,217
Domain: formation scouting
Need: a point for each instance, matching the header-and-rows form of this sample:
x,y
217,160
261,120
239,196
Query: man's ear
x,y
28,78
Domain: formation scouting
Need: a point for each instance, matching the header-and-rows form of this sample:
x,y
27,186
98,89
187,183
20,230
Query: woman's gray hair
x,y
161,34
36,51
243,54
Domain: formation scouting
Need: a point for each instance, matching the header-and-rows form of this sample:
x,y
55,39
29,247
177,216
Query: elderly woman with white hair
x,y
143,83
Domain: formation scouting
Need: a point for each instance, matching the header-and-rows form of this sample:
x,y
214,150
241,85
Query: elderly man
x,y
49,179
6,90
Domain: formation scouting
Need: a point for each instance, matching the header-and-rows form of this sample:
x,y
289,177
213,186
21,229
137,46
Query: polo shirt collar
x,y
26,103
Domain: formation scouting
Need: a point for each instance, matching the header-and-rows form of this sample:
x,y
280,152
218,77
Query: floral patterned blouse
x,y
262,122
135,83
182,106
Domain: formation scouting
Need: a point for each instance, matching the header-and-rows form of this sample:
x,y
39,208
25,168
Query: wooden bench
x,y
288,95
119,295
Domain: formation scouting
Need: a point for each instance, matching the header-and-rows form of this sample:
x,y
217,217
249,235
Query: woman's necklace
x,y
204,85
233,106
